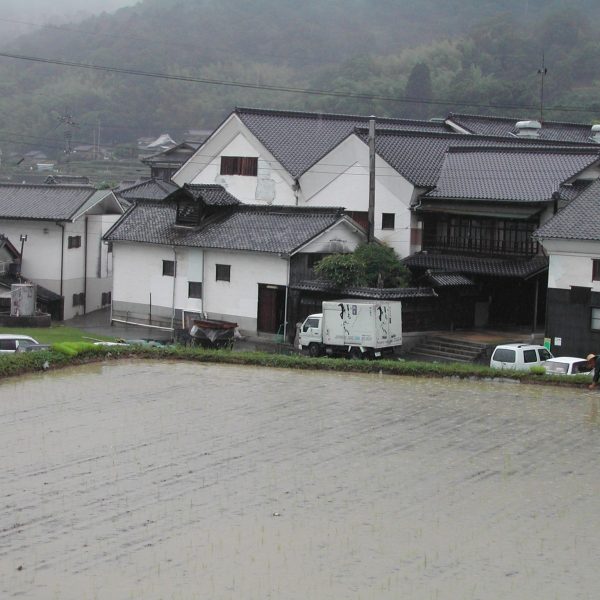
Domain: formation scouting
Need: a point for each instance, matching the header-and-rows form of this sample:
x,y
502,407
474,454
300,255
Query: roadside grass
x,y
55,334
72,353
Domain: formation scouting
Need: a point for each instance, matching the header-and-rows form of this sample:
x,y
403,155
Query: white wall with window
x,y
234,143
237,298
342,179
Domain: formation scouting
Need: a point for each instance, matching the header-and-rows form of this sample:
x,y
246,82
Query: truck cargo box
x,y
372,324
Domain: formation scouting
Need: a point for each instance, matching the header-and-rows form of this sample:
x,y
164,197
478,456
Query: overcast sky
x,y
54,11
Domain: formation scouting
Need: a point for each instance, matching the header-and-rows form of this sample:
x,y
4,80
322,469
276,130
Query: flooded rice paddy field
x,y
158,480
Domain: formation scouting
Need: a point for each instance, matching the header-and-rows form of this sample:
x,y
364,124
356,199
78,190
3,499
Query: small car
x,y
519,356
15,342
567,365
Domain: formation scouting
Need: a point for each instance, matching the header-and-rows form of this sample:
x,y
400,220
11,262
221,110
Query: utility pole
x,y
543,72
371,214
97,153
69,124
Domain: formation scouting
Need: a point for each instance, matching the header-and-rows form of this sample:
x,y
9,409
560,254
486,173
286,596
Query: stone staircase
x,y
448,349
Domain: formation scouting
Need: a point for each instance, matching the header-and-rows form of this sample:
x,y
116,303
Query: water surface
x,y
158,480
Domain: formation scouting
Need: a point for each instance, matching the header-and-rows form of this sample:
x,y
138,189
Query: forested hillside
x,y
413,58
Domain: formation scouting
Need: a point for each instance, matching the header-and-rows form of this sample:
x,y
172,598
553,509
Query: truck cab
x,y
311,336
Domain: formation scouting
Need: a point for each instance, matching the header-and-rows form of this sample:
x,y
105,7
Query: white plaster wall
x,y
239,297
571,263
272,185
326,184
99,260
41,251
137,274
340,238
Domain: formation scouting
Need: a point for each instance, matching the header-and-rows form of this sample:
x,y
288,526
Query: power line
x,y
277,88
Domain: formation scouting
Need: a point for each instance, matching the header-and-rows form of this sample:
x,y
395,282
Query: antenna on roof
x,y
543,72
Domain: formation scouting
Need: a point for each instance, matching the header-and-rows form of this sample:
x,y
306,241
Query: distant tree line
x,y
384,48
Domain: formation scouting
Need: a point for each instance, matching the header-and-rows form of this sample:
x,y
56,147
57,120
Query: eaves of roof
x,y
576,221
249,228
323,286
517,268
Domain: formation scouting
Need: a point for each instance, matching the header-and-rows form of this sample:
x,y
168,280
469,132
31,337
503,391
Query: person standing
x,y
594,363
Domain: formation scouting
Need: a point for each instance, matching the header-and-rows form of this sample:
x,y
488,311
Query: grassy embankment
x,y
63,354
54,334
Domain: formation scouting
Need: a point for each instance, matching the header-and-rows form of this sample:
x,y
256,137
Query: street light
x,y
23,239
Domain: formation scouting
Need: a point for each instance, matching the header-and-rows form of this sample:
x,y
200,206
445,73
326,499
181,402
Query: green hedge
x,y
73,353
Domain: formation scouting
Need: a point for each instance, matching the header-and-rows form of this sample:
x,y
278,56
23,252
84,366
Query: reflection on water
x,y
174,480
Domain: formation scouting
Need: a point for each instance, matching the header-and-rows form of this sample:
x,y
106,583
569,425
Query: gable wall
x,y
272,185
340,238
342,179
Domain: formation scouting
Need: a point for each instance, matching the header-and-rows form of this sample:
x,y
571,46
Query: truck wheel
x,y
314,350
355,354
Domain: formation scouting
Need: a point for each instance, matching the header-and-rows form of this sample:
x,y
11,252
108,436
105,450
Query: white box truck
x,y
354,328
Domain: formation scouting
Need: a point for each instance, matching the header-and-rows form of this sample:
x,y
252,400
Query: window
x,y
388,220
188,213
311,323
529,356
109,247
106,298
74,241
8,344
595,270
79,299
596,319
504,355
239,165
223,272
194,289
544,354
168,268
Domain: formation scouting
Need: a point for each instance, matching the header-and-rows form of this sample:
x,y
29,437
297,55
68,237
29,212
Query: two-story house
x,y
572,241
202,251
479,218
60,229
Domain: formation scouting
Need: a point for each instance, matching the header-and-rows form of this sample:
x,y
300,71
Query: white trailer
x,y
354,328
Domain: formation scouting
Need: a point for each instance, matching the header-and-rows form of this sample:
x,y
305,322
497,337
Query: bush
x,y
370,265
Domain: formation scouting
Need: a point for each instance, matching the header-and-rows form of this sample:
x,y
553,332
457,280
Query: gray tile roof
x,y
173,157
419,155
443,279
244,227
211,194
44,202
579,220
150,189
470,265
320,285
299,139
508,174
505,126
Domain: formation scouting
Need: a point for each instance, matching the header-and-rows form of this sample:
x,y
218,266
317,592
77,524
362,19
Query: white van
x,y
519,356
13,342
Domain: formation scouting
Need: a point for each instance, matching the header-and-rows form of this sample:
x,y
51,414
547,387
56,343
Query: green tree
x,y
370,265
342,270
418,87
382,266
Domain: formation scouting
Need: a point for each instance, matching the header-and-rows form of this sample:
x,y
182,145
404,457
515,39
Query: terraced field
x,y
159,480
